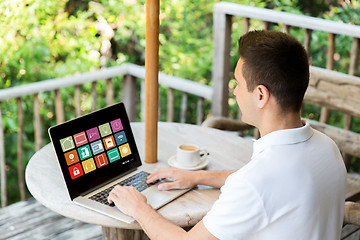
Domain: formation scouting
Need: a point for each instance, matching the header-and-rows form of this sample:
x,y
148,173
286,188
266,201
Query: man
x,y
294,185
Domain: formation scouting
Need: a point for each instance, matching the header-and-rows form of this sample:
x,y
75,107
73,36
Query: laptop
x,y
98,151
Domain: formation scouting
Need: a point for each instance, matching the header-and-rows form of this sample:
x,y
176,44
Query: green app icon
x,y
113,155
67,143
105,130
84,152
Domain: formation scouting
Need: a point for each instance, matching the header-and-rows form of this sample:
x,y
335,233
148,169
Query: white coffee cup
x,y
190,155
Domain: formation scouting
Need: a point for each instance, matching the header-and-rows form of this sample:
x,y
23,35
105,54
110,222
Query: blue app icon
x,y
120,138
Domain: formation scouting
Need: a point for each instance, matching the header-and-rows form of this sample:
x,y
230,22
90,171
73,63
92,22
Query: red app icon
x,y
76,171
80,139
101,160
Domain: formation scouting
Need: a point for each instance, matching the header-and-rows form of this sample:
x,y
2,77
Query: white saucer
x,y
173,163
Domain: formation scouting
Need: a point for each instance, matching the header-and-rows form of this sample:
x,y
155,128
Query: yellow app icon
x,y
88,165
125,150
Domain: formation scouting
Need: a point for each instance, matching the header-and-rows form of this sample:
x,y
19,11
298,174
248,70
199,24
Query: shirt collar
x,y
283,137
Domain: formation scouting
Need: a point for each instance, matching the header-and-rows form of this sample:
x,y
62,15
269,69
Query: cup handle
x,y
203,154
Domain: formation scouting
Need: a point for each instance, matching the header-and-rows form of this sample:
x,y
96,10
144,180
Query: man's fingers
x,y
167,186
162,173
110,197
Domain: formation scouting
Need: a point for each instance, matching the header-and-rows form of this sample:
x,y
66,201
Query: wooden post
x,y
129,96
59,108
221,64
325,113
109,92
94,96
3,182
151,80
183,107
77,97
20,167
307,41
170,105
199,111
37,123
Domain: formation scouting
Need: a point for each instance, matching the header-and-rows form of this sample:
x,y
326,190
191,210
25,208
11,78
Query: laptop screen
x,y
95,148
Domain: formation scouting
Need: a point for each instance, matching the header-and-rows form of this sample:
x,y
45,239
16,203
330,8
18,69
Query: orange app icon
x,y
109,142
71,157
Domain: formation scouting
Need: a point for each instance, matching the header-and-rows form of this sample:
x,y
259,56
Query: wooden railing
x,y
130,73
223,15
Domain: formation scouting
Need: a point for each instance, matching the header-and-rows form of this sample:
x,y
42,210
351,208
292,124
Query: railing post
x,y
109,92
170,105
77,97
221,63
325,113
129,96
20,167
37,123
94,96
2,165
59,108
307,41
199,111
183,107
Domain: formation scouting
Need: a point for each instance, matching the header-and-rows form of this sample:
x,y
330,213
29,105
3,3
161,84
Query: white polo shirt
x,y
293,188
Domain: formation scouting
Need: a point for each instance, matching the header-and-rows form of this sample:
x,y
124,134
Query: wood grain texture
x,y
352,213
151,79
31,220
3,183
334,90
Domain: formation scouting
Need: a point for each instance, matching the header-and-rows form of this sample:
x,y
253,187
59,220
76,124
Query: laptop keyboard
x,y
137,180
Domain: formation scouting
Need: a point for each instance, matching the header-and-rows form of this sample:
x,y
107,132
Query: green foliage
x,y
42,39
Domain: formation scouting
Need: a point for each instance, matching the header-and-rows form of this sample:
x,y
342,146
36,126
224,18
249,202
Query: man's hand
x,y
127,199
181,178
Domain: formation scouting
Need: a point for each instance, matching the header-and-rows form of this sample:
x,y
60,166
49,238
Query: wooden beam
x,y
151,79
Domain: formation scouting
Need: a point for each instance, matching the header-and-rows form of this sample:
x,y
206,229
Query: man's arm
x,y
133,203
186,179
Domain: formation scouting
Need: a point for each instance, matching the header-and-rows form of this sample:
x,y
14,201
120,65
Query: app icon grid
x,y
93,148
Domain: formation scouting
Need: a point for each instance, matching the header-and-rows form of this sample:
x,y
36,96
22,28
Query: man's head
x,y
277,61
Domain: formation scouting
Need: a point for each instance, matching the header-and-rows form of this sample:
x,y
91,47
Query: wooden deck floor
x,y
31,220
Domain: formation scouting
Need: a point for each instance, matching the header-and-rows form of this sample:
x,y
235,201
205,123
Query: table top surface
x,y
227,152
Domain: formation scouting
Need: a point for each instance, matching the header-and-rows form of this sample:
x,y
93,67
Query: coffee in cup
x,y
190,155
188,148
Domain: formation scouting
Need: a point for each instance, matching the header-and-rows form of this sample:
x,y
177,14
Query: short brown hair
x,y
277,61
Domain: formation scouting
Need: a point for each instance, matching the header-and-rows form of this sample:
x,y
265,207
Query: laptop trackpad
x,y
157,199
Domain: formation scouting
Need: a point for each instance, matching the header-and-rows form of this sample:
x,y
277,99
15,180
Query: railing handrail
x,y
105,73
287,19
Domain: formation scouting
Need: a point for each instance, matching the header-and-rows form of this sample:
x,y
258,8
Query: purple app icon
x,y
116,125
93,134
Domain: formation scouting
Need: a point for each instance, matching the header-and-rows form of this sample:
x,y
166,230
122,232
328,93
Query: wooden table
x,y
227,151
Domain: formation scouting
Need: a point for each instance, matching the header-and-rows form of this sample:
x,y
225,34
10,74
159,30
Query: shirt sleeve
x,y
238,213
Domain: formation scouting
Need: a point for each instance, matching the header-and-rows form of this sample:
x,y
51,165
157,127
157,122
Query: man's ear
x,y
263,95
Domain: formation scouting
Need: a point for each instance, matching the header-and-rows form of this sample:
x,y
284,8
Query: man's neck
x,y
279,122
